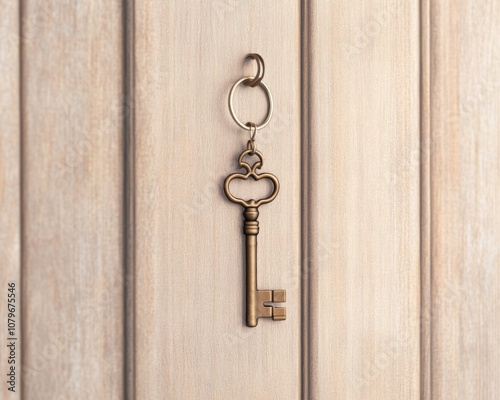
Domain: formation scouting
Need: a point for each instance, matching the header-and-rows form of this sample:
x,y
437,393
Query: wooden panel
x,y
191,341
465,199
361,85
10,222
72,199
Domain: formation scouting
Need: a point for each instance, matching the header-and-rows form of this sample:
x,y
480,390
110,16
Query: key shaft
x,y
256,299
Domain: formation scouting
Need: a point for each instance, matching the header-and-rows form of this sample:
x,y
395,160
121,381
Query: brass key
x,y
256,299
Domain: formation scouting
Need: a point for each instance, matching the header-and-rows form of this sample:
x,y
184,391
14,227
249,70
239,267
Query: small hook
x,y
253,132
260,69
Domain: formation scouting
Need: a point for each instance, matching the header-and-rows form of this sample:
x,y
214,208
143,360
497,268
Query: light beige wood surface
x,y
115,140
464,123
10,185
362,199
72,200
191,341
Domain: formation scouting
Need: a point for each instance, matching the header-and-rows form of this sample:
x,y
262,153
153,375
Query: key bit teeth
x,y
279,296
279,313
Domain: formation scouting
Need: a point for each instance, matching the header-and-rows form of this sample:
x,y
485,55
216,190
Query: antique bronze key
x,y
256,299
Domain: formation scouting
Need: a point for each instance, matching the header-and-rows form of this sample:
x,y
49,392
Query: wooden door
x,y
128,261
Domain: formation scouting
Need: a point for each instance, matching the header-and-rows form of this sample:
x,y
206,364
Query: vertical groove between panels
x,y
308,353
303,160
425,204
129,196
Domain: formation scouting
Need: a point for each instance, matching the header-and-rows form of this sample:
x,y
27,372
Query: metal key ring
x,y
260,69
269,99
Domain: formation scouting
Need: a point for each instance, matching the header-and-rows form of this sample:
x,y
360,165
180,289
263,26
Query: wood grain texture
x,y
10,184
362,251
191,340
72,112
464,109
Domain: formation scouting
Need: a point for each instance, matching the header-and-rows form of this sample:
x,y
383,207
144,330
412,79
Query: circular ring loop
x,y
260,69
269,110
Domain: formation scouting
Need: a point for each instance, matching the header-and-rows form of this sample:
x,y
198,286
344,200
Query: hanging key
x,y
257,300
